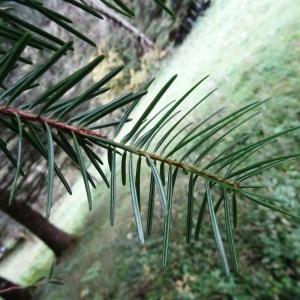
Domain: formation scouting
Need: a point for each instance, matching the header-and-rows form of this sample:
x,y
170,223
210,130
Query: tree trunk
x,y
52,236
12,291
121,21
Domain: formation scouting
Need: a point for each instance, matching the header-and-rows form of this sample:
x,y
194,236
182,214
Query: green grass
x,y
251,49
109,263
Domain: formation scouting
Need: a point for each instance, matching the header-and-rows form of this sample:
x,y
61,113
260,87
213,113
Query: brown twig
x,y
28,116
19,288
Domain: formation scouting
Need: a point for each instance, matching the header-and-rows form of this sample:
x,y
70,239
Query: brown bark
x,y
13,291
53,237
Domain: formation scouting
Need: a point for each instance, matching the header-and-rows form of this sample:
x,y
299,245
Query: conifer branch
x,y
28,116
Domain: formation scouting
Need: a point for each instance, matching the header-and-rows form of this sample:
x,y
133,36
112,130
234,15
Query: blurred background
x,y
251,50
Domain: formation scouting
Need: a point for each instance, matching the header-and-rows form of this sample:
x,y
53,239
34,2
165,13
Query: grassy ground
x,y
251,49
